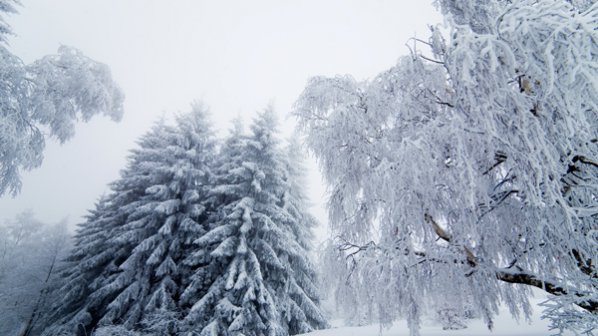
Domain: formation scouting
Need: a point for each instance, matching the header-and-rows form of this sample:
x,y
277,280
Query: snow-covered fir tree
x,y
126,267
300,225
476,162
295,199
205,268
86,269
253,270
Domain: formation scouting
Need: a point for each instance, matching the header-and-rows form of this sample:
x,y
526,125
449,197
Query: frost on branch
x,y
48,97
480,167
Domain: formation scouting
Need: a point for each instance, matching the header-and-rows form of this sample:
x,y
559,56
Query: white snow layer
x,y
504,325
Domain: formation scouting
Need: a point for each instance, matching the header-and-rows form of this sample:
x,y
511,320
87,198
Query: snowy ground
x,y
504,325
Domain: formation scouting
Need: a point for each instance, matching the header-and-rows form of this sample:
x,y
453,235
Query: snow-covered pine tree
x,y
261,280
205,268
126,266
304,312
89,264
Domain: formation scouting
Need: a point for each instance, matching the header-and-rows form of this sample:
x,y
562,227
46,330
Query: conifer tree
x,y
259,281
205,268
127,264
302,315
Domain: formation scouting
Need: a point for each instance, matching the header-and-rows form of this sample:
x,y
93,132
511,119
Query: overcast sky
x,y
236,56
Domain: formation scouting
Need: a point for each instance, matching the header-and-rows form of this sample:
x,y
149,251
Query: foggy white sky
x,y
237,56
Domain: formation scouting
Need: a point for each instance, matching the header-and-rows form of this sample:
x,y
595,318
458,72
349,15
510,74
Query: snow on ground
x,y
504,325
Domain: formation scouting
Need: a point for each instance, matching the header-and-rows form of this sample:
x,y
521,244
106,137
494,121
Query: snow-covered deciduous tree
x,y
477,165
253,274
126,268
30,254
46,98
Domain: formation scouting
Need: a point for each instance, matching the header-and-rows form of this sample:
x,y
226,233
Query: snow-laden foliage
x,y
30,254
471,171
46,98
295,200
6,6
126,265
253,276
190,242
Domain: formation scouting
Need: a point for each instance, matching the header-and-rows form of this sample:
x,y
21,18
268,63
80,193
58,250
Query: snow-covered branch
x,y
487,159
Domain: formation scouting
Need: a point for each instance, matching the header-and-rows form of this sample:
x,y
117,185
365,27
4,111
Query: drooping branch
x,y
531,280
471,259
431,60
584,160
499,158
585,265
517,277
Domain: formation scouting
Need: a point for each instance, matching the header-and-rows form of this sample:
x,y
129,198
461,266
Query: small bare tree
x,y
30,253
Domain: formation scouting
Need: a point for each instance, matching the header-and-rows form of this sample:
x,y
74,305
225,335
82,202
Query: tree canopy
x,y
474,159
46,98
